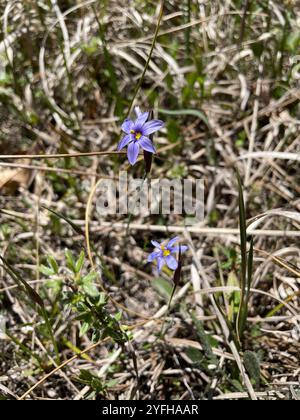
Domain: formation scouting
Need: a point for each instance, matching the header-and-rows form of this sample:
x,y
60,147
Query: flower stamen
x,y
137,134
165,251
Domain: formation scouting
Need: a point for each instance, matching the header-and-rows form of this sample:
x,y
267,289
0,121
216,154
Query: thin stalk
x,y
246,265
137,88
60,155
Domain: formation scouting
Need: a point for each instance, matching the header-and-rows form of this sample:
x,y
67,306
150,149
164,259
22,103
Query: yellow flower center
x,y
165,251
137,135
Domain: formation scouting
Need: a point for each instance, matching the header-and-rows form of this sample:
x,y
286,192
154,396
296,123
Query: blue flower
x,y
164,254
137,133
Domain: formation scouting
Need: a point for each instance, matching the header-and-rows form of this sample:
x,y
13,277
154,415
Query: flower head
x,y
137,133
164,254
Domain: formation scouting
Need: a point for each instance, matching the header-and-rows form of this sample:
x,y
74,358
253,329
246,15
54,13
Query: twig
x,y
198,230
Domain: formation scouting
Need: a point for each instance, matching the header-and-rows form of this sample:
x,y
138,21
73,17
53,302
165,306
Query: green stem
x,y
137,88
50,331
130,216
167,311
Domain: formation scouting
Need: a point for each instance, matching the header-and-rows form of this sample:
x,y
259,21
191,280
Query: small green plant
x,y
97,386
82,296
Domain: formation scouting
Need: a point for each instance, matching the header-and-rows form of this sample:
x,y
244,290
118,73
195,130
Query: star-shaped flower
x,y
137,133
164,254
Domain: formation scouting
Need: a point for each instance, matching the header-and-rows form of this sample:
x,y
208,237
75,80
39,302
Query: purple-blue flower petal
x,y
127,126
125,140
171,262
147,144
132,152
156,244
153,256
183,248
140,121
172,242
152,126
160,263
137,111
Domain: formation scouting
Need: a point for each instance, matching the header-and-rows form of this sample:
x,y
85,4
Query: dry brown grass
x,y
232,75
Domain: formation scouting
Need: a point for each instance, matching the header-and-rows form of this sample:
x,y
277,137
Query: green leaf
x,y
112,383
52,263
96,336
194,354
238,385
84,329
55,285
232,281
80,262
203,338
47,271
118,316
293,41
252,364
90,277
163,287
90,289
70,261
102,299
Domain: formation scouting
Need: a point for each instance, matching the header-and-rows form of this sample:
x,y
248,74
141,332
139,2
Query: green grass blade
x,y
35,297
243,239
66,219
181,112
249,282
